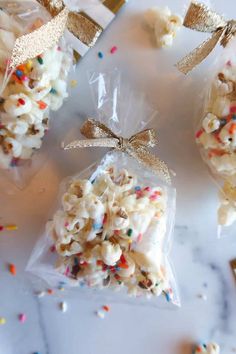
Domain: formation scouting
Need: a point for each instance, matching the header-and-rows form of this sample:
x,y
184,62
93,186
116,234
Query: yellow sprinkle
x,y
73,83
11,227
2,321
29,65
130,241
62,289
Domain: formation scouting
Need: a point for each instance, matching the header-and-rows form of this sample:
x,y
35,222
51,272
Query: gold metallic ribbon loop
x,y
200,18
31,45
137,145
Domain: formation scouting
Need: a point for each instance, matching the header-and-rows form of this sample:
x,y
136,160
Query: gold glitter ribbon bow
x,y
201,18
137,145
31,45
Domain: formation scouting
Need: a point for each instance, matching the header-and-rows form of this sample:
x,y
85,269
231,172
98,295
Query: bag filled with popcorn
x,y
216,135
113,223
30,87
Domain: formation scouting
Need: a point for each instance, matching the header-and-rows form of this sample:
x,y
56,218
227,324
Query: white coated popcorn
x,y
210,123
110,233
164,24
35,88
110,253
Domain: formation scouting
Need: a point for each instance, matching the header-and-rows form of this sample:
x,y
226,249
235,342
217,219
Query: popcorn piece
x,y
164,24
210,123
110,253
211,348
34,88
110,233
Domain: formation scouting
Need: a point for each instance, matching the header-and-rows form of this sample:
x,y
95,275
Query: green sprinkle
x,y
53,91
129,232
40,60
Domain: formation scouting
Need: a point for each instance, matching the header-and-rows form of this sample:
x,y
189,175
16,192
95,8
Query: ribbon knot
x,y
200,18
99,135
230,32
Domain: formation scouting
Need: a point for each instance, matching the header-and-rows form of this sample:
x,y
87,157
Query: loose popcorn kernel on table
x,y
33,89
164,24
103,228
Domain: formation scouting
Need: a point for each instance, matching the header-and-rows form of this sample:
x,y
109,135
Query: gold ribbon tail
x,y
190,61
201,18
103,142
151,161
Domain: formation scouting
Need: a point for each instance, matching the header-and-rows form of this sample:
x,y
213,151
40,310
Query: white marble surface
x,y
201,261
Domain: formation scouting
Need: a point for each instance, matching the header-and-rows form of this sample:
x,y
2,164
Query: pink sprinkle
x,y
66,224
24,78
147,189
229,63
153,197
233,109
198,133
22,317
139,239
59,49
113,50
53,248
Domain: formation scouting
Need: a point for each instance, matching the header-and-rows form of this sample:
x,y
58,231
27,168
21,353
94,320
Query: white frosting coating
x,y
164,24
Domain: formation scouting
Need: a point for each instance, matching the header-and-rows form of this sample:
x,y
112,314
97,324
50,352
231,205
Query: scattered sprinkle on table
x,y
50,291
8,227
40,293
12,269
73,83
2,320
100,55
100,314
113,49
22,317
106,308
63,306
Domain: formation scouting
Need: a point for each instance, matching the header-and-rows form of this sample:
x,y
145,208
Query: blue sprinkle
x,y
100,55
19,73
117,268
93,181
168,297
36,353
76,262
97,226
137,188
234,117
53,91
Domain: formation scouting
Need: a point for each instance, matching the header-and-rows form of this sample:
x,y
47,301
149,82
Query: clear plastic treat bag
x,y
216,122
216,134
113,224
29,89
